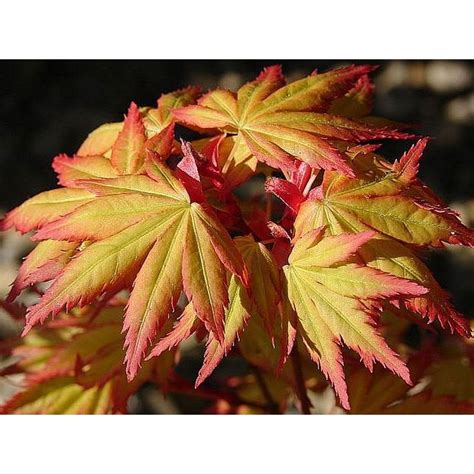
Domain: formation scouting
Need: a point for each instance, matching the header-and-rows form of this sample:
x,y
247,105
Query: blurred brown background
x,y
48,107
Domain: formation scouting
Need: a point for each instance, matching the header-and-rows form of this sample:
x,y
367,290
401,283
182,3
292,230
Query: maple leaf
x,y
384,201
326,294
279,123
387,199
76,366
140,212
138,225
384,393
60,396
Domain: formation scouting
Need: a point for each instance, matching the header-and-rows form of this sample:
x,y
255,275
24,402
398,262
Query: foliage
x,y
149,241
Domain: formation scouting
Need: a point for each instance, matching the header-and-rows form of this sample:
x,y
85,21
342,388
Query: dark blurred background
x,y
48,107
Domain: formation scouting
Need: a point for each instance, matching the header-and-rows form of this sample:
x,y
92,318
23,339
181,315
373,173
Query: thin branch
x,y
310,182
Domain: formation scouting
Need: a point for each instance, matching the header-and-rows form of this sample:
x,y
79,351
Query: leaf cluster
x,y
289,275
